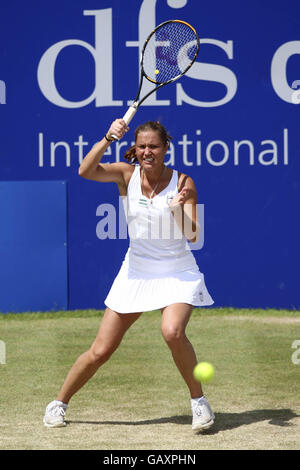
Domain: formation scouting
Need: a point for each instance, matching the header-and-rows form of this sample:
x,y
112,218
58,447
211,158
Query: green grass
x,y
98,313
138,399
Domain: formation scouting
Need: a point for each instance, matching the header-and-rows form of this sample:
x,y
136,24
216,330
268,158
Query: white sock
x,y
197,399
61,403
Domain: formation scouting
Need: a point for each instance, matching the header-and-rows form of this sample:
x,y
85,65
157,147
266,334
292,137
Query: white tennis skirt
x,y
135,291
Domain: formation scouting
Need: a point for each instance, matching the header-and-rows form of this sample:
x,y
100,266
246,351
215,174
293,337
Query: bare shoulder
x,y
185,181
124,166
126,170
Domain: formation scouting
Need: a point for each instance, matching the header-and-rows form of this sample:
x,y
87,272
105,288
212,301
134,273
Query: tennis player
x,y
159,270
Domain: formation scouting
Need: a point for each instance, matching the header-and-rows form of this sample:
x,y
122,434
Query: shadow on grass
x,y
223,421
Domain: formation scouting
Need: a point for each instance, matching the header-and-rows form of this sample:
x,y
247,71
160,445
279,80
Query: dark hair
x,y
156,126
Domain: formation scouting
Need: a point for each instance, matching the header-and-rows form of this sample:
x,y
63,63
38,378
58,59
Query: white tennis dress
x,y
159,268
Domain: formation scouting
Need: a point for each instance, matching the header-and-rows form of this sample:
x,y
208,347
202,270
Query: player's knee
x,y
99,355
172,334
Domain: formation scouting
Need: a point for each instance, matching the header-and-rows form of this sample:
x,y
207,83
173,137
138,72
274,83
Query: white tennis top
x,y
157,244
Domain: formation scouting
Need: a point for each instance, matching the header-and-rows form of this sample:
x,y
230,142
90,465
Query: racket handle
x,y
127,117
130,113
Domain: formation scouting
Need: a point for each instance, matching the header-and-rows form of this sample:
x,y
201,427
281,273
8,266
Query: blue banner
x,y
68,68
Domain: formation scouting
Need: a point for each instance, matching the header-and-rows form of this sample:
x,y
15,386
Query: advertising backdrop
x,y
70,67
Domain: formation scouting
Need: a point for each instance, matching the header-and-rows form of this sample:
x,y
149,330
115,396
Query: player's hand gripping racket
x,y
168,53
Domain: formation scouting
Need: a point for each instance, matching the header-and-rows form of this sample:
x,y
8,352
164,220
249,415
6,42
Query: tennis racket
x,y
168,53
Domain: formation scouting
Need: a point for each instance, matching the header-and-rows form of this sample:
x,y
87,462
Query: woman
x,y
159,270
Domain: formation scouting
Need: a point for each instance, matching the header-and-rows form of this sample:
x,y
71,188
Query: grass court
x,y
138,399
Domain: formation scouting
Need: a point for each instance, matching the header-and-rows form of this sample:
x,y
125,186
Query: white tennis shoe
x,y
55,414
203,417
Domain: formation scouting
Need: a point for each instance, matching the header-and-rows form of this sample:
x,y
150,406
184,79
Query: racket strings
x,y
169,52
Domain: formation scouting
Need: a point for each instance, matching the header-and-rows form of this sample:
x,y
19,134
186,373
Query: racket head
x,y
169,51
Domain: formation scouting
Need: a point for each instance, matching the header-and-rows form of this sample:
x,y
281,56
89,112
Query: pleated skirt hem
x,y
133,292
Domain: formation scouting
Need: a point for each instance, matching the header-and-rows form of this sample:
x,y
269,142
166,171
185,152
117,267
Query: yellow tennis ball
x,y
156,72
204,372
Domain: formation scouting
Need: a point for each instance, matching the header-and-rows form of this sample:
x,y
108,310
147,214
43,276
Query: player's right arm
x,y
92,169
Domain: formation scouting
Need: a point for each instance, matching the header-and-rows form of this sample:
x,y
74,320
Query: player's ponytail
x,y
130,155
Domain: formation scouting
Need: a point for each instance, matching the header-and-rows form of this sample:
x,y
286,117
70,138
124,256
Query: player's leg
x,y
112,329
175,318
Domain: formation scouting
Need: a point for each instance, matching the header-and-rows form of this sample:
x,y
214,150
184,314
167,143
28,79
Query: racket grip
x,y
127,117
129,114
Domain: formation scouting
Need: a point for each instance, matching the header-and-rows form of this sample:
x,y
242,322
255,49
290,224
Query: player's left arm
x,y
184,208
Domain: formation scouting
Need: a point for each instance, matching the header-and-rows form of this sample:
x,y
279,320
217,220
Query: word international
x,y
189,150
